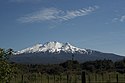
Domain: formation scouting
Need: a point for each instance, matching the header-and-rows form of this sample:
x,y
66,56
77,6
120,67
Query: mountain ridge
x,y
56,52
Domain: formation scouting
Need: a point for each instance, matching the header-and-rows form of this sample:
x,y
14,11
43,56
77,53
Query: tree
x,y
10,52
120,66
98,65
5,68
70,65
2,54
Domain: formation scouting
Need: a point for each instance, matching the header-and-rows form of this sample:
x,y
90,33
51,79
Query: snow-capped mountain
x,y
56,52
53,47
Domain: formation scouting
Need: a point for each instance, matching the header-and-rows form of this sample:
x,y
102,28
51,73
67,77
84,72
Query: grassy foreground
x,y
90,78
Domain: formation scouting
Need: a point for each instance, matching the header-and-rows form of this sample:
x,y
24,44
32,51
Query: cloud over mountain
x,y
54,14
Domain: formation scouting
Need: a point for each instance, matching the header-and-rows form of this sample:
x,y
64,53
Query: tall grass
x,y
113,77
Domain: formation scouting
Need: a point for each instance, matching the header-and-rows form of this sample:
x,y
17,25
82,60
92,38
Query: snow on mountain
x,y
45,54
35,48
53,47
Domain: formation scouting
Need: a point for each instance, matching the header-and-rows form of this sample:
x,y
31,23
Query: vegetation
x,y
71,67
97,66
99,71
6,69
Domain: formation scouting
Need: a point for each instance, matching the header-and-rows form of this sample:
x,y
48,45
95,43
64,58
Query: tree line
x,y
96,66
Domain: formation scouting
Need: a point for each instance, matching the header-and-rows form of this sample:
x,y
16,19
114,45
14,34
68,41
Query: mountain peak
x,y
53,44
53,47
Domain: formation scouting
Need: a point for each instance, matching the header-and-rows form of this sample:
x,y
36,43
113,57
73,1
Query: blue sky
x,y
93,24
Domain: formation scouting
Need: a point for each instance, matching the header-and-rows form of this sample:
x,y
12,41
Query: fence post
x,y
22,78
54,79
41,78
67,78
48,78
117,77
89,78
102,77
75,78
109,78
60,78
35,78
70,79
95,77
83,77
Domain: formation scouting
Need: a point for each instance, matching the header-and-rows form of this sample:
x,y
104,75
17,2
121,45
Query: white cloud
x,y
122,19
119,19
42,15
76,13
54,14
115,20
